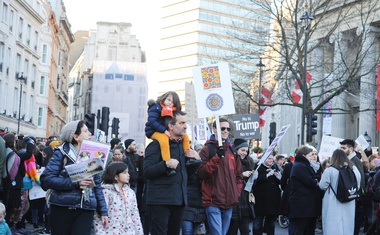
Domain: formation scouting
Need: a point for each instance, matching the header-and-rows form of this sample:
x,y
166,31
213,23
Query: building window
x,y
129,77
35,40
28,34
109,76
4,98
11,17
15,101
44,53
20,28
40,116
31,108
26,68
34,71
18,64
2,57
8,63
42,85
5,13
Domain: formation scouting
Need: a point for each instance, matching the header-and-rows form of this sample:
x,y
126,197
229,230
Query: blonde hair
x,y
2,208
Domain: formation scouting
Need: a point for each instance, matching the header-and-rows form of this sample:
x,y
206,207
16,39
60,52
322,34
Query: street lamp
x,y
306,18
368,139
21,79
260,65
75,111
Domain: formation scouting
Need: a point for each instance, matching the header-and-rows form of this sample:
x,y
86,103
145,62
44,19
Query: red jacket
x,y
222,177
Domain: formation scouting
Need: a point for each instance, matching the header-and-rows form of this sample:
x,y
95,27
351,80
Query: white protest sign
x,y
284,129
213,90
328,145
362,141
275,142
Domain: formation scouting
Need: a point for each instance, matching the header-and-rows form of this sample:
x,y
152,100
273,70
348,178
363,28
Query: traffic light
x,y
115,126
311,126
90,122
272,132
105,119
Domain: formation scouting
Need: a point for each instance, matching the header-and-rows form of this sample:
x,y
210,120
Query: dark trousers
x,y
239,224
268,225
65,221
359,216
166,219
304,226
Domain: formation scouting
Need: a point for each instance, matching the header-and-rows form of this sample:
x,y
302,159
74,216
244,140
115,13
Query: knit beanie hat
x,y
128,142
68,130
311,147
240,143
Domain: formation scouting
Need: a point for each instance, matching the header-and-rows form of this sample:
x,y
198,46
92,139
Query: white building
x,y
111,73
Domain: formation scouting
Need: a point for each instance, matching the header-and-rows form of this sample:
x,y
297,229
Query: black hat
x,y
128,142
240,143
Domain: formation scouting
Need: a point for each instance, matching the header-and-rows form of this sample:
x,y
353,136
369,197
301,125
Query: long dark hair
x,y
303,151
112,170
77,132
339,159
176,100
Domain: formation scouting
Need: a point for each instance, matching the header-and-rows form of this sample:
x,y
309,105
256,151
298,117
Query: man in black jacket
x,y
130,152
167,193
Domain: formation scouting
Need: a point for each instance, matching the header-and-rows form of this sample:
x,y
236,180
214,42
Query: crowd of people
x,y
170,188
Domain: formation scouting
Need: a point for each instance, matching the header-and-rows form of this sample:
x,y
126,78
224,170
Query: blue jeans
x,y
218,220
190,228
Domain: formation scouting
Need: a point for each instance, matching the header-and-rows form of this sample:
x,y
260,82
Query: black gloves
x,y
220,151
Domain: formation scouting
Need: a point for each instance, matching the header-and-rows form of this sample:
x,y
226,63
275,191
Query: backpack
x,y
12,163
348,188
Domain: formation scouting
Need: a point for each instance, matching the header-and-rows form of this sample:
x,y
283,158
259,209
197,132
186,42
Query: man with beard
x,y
348,147
137,161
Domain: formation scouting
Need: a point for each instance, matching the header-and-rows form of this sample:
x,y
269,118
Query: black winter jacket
x,y
164,189
65,192
305,196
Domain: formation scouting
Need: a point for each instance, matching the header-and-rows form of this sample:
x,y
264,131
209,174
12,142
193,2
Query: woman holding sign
x,y
72,204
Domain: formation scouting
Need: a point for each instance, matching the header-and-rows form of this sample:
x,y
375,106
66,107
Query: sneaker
x,y
44,232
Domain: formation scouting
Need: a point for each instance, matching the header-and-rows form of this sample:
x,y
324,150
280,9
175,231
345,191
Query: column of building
x,y
368,81
338,122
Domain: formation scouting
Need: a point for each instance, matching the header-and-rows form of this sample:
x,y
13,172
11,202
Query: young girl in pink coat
x,y
123,215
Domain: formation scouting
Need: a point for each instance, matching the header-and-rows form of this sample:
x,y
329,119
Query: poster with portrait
x,y
213,90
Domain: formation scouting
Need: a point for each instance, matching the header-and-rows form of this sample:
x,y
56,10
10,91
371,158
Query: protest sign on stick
x,y
213,91
276,141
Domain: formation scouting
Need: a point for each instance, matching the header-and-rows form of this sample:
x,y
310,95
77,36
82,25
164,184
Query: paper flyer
x,y
83,170
92,159
93,150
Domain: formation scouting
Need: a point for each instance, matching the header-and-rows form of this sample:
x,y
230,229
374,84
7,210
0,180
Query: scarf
x,y
315,166
167,110
31,169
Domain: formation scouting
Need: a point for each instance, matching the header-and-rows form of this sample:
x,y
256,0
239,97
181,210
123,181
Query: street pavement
x,y
279,230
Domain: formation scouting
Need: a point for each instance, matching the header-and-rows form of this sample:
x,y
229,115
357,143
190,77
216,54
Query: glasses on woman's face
x,y
225,128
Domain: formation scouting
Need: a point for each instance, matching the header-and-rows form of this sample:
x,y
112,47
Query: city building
x,y
111,72
34,35
204,32
342,58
